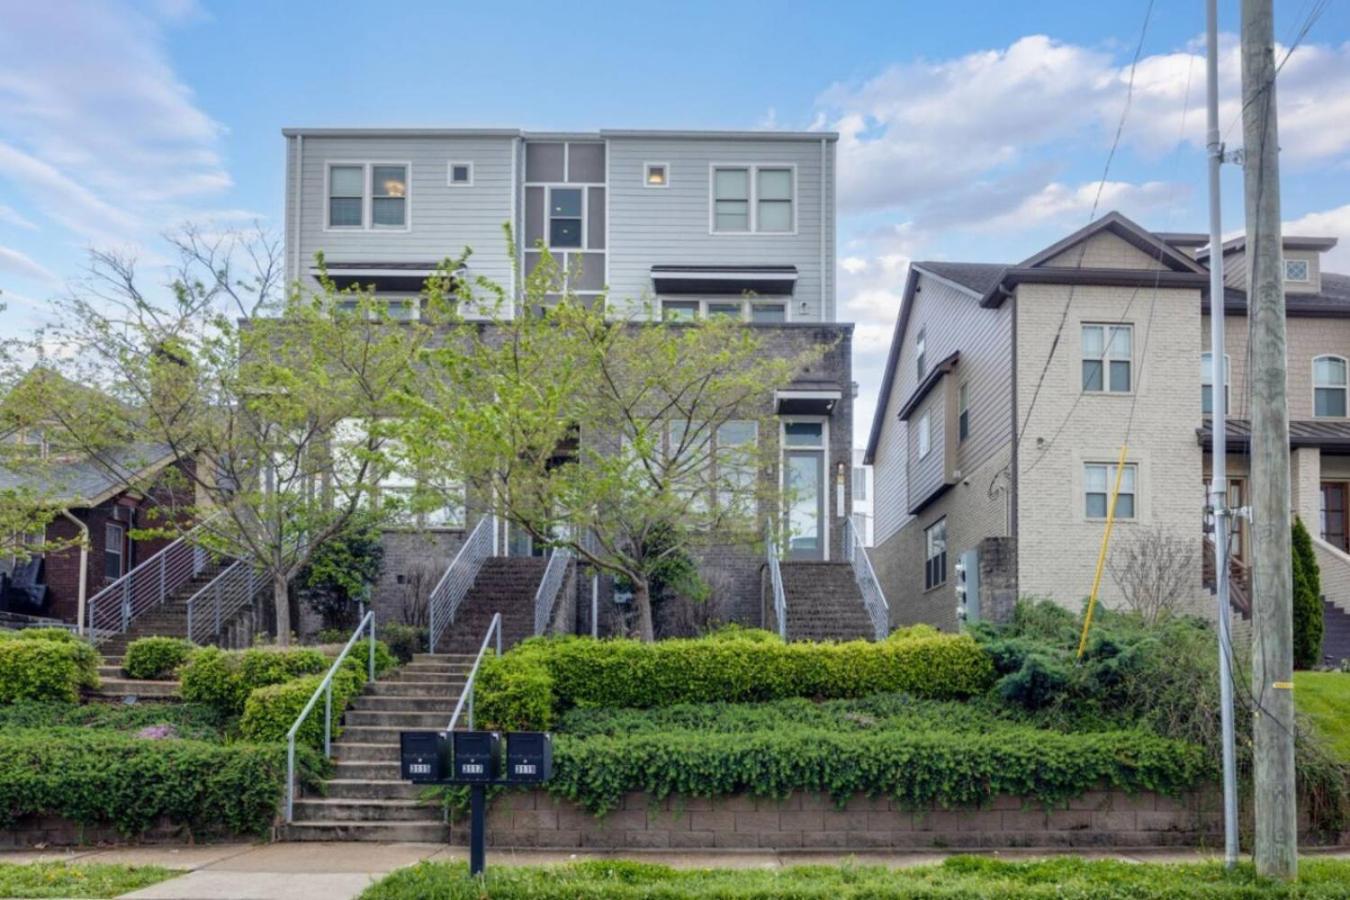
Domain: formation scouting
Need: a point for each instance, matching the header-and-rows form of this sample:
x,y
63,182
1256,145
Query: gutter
x,y
84,570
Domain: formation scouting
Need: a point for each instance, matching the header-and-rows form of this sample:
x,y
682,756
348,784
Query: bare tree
x,y
1152,568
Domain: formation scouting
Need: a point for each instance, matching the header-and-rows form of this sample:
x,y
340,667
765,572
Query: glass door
x,y
806,504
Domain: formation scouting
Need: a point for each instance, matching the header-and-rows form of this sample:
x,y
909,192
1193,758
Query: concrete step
x,y
406,720
347,751
338,809
382,703
366,770
369,789
388,832
128,687
390,688
379,734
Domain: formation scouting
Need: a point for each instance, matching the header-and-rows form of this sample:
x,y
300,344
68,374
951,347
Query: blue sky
x,y
970,130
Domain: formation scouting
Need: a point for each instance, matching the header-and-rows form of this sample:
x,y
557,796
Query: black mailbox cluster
x,y
476,757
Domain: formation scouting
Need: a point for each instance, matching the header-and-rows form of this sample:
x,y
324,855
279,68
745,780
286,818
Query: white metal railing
x,y
466,695
211,608
449,592
776,580
546,598
326,688
873,597
112,610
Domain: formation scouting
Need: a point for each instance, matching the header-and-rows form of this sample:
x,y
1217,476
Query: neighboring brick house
x,y
1010,389
671,224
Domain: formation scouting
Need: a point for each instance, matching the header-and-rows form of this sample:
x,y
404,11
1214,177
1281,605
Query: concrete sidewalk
x,y
334,871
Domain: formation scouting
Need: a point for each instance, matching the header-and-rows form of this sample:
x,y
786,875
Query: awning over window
x,y
735,280
806,402
386,277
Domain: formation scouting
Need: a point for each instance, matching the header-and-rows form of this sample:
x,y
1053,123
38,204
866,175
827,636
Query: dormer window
x,y
1297,270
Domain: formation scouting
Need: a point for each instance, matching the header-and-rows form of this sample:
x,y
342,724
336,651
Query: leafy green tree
x,y
341,571
1307,600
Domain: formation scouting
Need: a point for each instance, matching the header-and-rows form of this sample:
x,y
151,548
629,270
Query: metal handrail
x,y
874,599
776,579
467,693
149,583
325,687
449,592
546,597
228,592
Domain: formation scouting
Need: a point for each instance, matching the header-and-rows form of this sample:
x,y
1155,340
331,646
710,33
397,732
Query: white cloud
x,y
1060,204
12,216
1328,223
18,263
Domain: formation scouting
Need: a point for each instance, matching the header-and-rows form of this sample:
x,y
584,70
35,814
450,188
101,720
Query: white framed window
x,y
368,196
346,196
566,217
656,174
681,310
860,484
114,551
756,311
459,173
920,352
737,442
389,196
1329,386
1207,382
1099,479
925,436
963,413
1297,270
754,199
935,554
1108,358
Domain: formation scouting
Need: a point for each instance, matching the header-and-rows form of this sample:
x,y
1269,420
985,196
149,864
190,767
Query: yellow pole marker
x,y
1101,555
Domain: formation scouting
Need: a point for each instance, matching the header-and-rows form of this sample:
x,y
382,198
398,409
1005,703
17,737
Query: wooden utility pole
x,y
1276,838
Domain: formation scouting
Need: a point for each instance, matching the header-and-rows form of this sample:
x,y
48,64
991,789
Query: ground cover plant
x,y
77,879
957,877
188,720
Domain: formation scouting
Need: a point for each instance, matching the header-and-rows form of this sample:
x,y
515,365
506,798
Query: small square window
x,y
1296,270
656,175
459,174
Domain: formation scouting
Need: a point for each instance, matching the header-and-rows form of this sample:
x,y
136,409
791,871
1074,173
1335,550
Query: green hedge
x,y
561,673
156,657
224,679
270,711
93,777
60,635
45,667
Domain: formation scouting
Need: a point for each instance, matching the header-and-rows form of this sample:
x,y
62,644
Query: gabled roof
x,y
1332,302
1128,231
1288,241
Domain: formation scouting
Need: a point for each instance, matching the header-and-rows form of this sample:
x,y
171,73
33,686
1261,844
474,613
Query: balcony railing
x,y
878,610
546,598
459,576
211,608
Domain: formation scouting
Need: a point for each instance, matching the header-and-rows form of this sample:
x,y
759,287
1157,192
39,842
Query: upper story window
x,y
756,311
1099,479
963,413
565,217
935,554
1107,358
920,351
113,551
756,199
1207,382
368,195
860,484
1297,270
459,174
656,175
1329,386
925,436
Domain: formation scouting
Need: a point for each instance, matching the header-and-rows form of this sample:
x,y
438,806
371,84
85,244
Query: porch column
x,y
1305,482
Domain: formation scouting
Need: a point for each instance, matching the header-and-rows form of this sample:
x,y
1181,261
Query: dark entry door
x,y
1335,526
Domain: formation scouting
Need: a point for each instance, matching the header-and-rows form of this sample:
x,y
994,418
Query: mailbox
x,y
424,756
476,755
529,756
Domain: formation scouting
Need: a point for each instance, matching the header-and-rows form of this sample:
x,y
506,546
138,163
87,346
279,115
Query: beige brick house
x,y
1010,390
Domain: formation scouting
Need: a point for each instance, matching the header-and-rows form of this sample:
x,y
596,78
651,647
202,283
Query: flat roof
x,y
602,134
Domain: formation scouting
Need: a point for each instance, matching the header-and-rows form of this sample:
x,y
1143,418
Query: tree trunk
x,y
281,602
642,598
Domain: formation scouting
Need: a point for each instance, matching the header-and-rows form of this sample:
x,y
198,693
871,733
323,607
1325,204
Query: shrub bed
x,y
540,678
270,711
224,679
189,720
155,657
43,666
93,777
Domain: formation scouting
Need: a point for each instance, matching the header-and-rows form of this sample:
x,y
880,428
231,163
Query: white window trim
x,y
109,527
1227,381
923,435
450,173
585,216
646,171
1330,387
1110,484
1106,358
753,219
946,551
746,305
367,196
1307,268
828,486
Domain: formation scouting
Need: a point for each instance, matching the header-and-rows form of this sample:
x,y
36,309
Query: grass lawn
x,y
1325,698
958,877
59,879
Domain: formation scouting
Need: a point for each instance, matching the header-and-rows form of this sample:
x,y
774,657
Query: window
x,y
564,217
1099,479
753,310
774,198
459,174
1207,382
803,434
736,470
1296,270
768,313
656,175
963,413
1329,386
389,196
731,200
679,310
935,554
860,484
1107,355
920,351
925,442
730,310
113,551
346,196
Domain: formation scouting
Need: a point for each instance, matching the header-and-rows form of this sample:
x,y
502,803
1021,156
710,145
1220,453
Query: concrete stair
x,y
823,602
168,619
506,585
365,800
1335,634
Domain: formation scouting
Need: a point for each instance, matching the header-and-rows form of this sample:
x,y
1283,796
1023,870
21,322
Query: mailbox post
x,y
474,758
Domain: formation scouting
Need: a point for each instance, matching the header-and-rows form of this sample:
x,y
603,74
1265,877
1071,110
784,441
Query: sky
x,y
968,130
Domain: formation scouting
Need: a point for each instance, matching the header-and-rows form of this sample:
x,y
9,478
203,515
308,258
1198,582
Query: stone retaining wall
x,y
1104,818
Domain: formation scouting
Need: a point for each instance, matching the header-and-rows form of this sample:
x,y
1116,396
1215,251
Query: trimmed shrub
x,y
270,711
94,777
46,668
60,635
1308,624
155,657
404,640
224,679
586,672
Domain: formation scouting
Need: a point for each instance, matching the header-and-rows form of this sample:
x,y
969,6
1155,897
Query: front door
x,y
1335,510
805,485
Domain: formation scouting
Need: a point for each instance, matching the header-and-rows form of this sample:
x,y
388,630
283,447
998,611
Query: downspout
x,y
84,570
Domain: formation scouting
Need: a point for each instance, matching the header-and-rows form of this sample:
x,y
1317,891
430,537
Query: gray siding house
x,y
667,224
